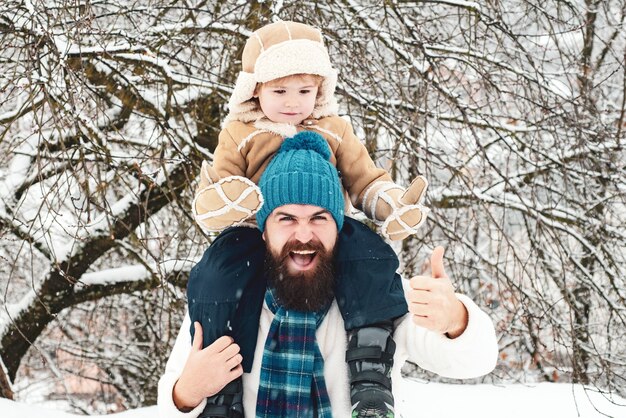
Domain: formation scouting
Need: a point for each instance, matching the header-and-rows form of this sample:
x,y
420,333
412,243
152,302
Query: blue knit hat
x,y
301,173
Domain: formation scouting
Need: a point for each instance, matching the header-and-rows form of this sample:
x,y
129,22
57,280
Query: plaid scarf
x,y
292,370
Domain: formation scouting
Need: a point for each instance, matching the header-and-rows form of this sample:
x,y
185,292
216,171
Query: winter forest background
x,y
514,111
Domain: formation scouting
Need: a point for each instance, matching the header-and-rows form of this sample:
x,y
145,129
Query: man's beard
x,y
309,290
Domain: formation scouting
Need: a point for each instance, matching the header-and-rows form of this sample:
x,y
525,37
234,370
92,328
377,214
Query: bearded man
x,y
300,366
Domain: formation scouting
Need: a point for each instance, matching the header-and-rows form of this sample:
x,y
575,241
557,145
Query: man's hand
x,y
207,370
433,303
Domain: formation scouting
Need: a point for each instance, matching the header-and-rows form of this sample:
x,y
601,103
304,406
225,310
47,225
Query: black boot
x,y
228,403
370,359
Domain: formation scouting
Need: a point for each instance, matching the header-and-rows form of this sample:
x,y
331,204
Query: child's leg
x,y
368,288
370,295
225,294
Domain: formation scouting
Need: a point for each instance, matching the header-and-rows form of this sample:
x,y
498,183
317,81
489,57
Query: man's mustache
x,y
295,245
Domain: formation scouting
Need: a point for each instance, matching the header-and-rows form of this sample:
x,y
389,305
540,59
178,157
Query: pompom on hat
x,y
301,173
278,50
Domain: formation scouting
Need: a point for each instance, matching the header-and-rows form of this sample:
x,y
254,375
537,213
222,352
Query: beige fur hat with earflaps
x,y
278,50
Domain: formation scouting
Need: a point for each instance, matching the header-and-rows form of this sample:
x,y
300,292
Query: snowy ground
x,y
433,400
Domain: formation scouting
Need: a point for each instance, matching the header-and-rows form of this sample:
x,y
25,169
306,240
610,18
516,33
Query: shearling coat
x,y
472,354
245,149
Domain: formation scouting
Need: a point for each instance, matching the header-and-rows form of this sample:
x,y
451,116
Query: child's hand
x,y
408,214
224,202
207,370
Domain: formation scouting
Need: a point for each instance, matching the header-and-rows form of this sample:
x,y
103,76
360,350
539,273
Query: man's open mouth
x,y
302,258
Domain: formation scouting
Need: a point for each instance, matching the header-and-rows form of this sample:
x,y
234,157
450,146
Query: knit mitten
x,y
400,211
224,202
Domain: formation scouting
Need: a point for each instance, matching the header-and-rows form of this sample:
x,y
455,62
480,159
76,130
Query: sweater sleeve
x,y
358,170
474,353
173,370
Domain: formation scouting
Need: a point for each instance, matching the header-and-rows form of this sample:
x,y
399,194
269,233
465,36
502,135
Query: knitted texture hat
x,y
278,50
301,173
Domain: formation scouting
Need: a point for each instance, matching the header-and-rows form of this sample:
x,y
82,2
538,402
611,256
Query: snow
x,y
541,400
11,409
134,273
439,400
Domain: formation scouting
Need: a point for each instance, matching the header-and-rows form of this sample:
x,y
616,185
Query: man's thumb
x,y
197,336
436,263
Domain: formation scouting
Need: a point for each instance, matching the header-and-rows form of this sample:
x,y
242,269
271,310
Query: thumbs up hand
x,y
433,303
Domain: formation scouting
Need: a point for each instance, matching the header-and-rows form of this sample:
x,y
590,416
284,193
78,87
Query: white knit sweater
x,y
472,354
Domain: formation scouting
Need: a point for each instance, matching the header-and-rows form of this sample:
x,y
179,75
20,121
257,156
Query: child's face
x,y
289,100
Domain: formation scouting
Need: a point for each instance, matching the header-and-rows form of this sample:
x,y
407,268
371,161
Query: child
x,y
287,86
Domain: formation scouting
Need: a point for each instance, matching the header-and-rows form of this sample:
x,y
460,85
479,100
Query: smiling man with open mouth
x,y
299,261
306,362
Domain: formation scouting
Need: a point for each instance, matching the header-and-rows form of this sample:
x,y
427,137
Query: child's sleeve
x,y
371,189
227,158
358,171
225,197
